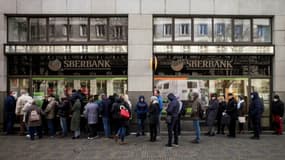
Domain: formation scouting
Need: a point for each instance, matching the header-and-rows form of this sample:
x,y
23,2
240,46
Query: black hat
x,y
276,96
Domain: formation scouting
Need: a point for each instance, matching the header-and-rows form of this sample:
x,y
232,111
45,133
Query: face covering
x,y
213,98
275,100
251,96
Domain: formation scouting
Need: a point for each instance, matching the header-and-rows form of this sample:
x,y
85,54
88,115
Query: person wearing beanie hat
x,y
277,111
153,115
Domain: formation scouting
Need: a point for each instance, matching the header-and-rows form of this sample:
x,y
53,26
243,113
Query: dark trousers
x,y
220,126
256,126
172,127
140,126
232,127
179,124
153,131
22,124
10,120
34,130
92,130
240,127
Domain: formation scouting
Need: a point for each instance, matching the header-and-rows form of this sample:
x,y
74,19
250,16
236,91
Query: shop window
x,y
162,29
38,29
98,29
118,29
242,30
78,29
17,29
203,30
261,30
182,29
58,29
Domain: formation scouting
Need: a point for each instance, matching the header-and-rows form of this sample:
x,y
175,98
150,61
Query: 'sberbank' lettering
x,y
86,64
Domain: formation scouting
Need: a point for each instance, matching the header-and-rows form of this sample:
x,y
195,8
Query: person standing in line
x,y
10,107
91,113
255,112
172,120
63,112
105,112
196,108
141,110
241,112
160,102
277,114
33,120
221,110
44,120
50,115
115,115
212,114
231,110
75,120
181,112
153,115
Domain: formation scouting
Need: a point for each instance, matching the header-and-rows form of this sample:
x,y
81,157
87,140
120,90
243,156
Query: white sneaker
x,y
175,145
90,138
28,136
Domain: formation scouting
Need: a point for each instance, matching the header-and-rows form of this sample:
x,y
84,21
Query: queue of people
x,y
116,113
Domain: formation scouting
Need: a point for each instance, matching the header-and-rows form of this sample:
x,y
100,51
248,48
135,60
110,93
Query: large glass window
x,y
222,30
18,84
261,30
38,29
182,29
203,30
58,29
162,29
17,29
242,31
118,30
78,29
98,29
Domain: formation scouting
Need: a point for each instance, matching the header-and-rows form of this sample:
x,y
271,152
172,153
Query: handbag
x,y
124,113
241,119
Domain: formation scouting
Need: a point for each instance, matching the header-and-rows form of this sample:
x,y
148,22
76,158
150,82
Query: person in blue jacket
x,y
255,112
141,110
10,107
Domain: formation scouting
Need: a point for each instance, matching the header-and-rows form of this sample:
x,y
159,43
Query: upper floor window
x,y
78,29
222,30
38,29
58,28
98,29
182,29
203,30
162,29
17,29
261,30
242,30
118,29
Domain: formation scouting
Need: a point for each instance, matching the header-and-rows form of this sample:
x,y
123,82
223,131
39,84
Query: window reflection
x,y
58,28
162,29
202,30
242,30
98,29
38,29
182,29
118,29
17,29
78,29
222,30
261,30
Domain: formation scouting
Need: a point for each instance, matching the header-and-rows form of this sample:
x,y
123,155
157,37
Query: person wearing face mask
x,y
277,114
212,114
231,110
255,112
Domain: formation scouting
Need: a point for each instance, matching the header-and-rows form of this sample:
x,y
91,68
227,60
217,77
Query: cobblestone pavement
x,y
269,147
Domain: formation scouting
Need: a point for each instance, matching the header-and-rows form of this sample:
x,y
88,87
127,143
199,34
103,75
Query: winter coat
x,y
160,101
231,109
153,112
91,112
256,107
116,109
75,120
21,101
124,122
50,110
141,108
10,104
33,123
196,106
241,109
278,108
105,108
222,108
173,107
212,112
64,108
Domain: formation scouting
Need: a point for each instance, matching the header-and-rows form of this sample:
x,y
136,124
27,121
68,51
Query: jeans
x,y
141,126
106,124
51,127
196,126
33,130
10,120
122,133
63,124
173,126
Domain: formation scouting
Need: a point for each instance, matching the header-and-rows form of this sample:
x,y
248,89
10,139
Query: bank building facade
x,y
136,46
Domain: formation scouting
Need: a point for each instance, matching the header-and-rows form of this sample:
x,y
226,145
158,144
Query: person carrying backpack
x,y
33,119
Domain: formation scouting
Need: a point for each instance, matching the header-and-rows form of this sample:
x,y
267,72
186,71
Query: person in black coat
x,y
153,115
256,109
141,110
231,110
10,107
221,109
277,114
172,119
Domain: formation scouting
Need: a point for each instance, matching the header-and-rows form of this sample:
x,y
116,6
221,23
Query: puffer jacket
x,y
141,108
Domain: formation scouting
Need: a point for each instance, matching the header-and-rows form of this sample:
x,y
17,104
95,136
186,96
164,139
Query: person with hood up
x,y
141,110
10,106
153,114
172,120
255,112
33,119
212,114
277,114
196,108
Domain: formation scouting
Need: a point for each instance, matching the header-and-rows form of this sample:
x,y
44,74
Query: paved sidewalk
x,y
269,147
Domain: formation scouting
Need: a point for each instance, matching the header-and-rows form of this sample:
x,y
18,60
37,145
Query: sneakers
x,y
175,145
90,138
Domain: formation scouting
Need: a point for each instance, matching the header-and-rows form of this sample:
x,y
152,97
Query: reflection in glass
x,y
162,29
17,29
242,30
222,30
182,29
58,29
98,29
78,29
38,29
118,30
261,30
203,30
